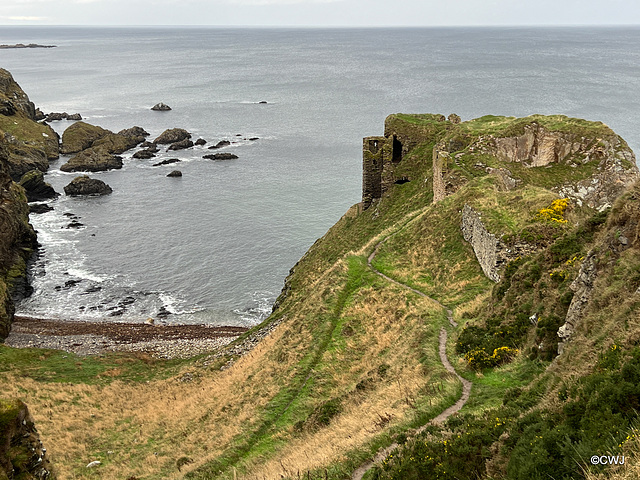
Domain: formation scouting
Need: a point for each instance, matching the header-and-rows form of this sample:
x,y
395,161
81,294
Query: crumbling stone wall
x,y
582,287
440,156
485,245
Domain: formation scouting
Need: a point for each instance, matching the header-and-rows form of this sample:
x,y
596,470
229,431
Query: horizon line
x,y
327,26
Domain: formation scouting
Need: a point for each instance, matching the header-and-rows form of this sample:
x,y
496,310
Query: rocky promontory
x,y
29,145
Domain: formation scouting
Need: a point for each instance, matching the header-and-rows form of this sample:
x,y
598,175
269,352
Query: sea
x,y
215,246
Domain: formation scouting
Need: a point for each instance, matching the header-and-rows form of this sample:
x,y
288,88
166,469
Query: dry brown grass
x,y
373,315
148,426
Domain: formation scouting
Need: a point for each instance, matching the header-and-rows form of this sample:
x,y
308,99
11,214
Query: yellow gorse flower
x,y
555,211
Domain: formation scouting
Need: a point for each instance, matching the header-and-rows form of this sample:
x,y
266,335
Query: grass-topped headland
x,y
498,220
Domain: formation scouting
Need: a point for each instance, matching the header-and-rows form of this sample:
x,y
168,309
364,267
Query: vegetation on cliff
x,y
352,363
17,242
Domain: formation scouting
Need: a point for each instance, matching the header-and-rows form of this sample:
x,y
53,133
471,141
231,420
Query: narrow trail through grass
x,y
359,473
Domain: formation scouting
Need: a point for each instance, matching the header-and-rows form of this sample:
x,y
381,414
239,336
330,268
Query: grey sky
x,y
320,12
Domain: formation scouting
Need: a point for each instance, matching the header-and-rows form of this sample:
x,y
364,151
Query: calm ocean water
x,y
215,245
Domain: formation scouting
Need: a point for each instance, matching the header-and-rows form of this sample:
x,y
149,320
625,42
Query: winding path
x,y
442,349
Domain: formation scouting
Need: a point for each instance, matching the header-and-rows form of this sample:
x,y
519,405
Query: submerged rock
x,y
221,156
166,162
85,185
220,144
181,145
40,208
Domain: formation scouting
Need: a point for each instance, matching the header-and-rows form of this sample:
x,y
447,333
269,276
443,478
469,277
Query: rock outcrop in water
x,y
81,136
172,135
36,188
161,107
181,145
92,160
57,116
96,147
220,156
85,185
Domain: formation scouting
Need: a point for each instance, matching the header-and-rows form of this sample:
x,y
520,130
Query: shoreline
x,y
96,338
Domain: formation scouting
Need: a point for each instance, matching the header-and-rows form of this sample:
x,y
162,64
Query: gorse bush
x,y
479,359
554,212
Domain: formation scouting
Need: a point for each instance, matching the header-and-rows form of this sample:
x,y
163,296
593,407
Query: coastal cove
x,y
239,278
214,246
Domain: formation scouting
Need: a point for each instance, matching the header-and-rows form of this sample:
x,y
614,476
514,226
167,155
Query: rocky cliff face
x,y
30,145
12,97
539,146
17,242
22,455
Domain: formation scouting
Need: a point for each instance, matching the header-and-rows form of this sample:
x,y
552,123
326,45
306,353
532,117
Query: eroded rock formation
x,y
85,185
17,243
22,455
30,145
92,160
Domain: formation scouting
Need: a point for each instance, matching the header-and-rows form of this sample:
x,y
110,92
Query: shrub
x,y
554,212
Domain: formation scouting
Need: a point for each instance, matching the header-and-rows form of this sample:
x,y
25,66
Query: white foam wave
x,y
84,274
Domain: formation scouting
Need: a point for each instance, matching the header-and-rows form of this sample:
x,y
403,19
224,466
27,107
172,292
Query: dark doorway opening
x,y
396,154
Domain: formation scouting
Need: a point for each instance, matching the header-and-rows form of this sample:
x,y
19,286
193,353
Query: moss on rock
x,y
80,136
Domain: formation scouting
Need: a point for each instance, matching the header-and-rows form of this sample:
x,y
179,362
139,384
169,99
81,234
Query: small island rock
x,y
85,185
161,107
92,160
175,173
144,154
172,135
80,136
